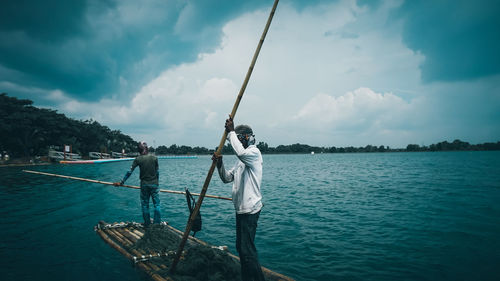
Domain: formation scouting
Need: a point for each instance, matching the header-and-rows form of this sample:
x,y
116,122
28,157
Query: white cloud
x,y
331,75
217,90
363,116
304,54
362,106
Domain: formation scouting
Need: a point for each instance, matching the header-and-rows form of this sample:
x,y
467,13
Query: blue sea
x,y
359,216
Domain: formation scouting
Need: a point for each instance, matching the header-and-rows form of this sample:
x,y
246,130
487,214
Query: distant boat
x,y
101,161
177,157
312,152
66,156
95,161
99,155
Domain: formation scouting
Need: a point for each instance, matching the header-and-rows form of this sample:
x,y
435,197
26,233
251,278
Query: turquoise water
x,y
378,216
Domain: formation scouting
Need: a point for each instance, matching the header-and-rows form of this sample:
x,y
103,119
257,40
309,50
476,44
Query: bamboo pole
x,y
134,236
119,237
222,141
110,183
128,235
137,232
149,270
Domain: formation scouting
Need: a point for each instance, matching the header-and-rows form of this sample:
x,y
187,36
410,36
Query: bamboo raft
x,y
123,236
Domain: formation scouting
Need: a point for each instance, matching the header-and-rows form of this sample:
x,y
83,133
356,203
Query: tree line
x,y
27,131
298,148
186,150
456,145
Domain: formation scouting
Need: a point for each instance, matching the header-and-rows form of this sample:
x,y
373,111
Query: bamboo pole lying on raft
x,y
221,144
125,185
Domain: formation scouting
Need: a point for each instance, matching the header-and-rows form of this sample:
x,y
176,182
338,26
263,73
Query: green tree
x,y
263,147
28,131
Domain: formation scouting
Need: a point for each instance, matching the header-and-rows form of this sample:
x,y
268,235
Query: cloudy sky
x,y
330,73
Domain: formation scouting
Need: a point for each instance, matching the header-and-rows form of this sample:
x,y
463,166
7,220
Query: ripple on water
x,y
380,216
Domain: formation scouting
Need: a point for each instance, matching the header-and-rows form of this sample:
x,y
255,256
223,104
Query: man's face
x,y
243,138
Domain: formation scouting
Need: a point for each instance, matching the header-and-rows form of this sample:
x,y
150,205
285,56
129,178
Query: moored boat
x,y
95,161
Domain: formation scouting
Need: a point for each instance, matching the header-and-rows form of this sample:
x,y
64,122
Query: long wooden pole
x,y
221,144
110,183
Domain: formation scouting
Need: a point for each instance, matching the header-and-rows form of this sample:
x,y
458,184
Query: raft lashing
x,y
152,249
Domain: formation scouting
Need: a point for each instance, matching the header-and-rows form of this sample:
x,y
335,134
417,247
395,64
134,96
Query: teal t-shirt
x,y
148,165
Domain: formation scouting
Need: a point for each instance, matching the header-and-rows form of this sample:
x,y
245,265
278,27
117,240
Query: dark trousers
x,y
153,191
246,226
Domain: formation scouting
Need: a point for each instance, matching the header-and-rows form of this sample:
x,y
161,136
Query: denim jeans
x,y
153,191
246,226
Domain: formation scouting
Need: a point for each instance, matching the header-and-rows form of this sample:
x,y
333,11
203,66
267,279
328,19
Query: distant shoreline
x,y
19,162
23,164
84,137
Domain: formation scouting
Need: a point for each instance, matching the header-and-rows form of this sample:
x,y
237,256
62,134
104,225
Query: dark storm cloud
x,y
459,39
49,20
42,44
90,49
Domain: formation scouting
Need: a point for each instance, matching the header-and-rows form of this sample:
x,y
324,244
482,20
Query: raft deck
x,y
127,237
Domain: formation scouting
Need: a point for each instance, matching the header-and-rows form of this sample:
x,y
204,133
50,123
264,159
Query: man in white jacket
x,y
246,176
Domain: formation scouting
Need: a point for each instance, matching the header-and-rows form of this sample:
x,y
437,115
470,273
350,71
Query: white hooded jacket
x,y
246,176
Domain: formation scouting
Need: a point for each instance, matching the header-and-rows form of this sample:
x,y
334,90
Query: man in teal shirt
x,y
149,174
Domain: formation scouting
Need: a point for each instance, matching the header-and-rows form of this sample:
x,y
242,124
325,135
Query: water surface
x,y
366,216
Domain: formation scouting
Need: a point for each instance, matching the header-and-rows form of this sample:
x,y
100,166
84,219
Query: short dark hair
x,y
142,146
243,130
